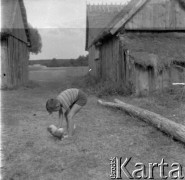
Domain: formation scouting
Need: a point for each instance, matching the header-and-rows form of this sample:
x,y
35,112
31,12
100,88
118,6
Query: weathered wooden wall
x,y
94,64
159,15
154,15
14,62
14,53
109,55
118,64
142,80
146,81
174,74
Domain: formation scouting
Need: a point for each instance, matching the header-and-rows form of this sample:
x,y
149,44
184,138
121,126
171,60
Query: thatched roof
x,y
145,59
156,50
9,8
98,16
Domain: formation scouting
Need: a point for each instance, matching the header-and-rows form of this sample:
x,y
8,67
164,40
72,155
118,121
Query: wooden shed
x,y
14,44
97,17
144,45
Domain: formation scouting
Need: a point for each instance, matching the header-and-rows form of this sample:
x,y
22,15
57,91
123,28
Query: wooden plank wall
x,y
3,63
94,64
15,55
159,15
15,63
110,59
91,61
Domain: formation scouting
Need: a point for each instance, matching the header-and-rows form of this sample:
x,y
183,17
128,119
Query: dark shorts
x,y
81,100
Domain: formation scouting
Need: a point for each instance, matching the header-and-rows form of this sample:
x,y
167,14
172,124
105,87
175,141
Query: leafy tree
x,y
36,41
82,60
54,63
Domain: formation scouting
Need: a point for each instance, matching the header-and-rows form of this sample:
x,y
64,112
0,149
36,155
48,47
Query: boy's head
x,y
53,105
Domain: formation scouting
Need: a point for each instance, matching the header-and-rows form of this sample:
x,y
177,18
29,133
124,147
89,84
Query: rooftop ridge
x,y
102,3
104,7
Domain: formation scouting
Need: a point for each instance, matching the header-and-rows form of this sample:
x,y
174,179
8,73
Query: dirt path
x,y
31,153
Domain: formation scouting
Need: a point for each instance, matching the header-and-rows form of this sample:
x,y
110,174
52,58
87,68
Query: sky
x,y
61,24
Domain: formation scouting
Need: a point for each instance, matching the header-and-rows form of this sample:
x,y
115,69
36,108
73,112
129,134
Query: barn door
x,y
126,68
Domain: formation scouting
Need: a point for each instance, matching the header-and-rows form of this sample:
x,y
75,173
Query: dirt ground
x,y
31,153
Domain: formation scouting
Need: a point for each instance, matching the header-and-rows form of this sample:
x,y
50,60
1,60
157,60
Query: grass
x,y
31,153
169,102
88,83
29,84
102,89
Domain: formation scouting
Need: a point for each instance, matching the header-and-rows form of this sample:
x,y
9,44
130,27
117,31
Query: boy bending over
x,y
67,103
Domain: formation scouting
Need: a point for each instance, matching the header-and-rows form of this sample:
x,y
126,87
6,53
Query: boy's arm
x,y
60,118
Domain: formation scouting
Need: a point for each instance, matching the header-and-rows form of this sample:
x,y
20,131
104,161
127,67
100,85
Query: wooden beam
x,y
178,84
127,16
171,128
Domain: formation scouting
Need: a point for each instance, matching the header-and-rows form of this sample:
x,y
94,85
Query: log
x,y
177,131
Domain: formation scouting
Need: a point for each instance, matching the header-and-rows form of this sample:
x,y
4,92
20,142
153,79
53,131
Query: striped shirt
x,y
68,97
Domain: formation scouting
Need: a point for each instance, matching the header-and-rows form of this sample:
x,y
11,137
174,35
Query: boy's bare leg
x,y
67,121
75,109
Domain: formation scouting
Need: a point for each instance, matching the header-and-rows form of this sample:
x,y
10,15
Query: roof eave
x,y
87,31
113,30
24,15
101,37
127,17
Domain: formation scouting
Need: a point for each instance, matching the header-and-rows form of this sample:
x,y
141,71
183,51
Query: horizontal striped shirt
x,y
68,97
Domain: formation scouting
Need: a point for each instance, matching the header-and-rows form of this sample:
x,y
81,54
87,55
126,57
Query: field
x,y
31,153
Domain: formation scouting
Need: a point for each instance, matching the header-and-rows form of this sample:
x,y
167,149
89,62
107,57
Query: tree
x,y
82,60
36,41
54,63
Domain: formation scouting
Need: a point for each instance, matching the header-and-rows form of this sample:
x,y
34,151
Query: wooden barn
x,y
143,45
97,17
14,44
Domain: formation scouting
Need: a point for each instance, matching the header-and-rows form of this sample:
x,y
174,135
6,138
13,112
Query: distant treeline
x,y
80,61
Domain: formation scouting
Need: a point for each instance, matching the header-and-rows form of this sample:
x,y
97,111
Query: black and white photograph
x,y
92,89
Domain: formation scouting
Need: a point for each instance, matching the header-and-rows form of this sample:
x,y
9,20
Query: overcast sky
x,y
61,24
